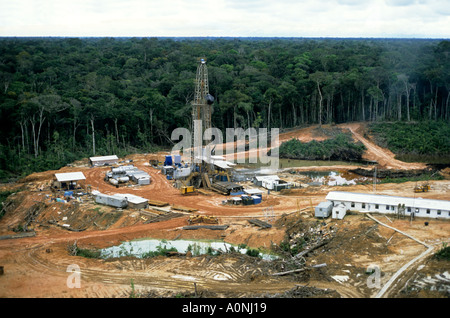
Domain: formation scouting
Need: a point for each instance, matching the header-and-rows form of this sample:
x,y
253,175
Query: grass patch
x,y
423,177
443,254
88,253
341,148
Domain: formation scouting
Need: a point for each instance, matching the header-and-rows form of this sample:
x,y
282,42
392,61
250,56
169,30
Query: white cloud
x,y
309,18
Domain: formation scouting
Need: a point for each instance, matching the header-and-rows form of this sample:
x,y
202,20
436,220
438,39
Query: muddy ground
x,y
40,265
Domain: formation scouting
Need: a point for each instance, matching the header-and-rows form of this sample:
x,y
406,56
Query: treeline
x,y
62,99
427,141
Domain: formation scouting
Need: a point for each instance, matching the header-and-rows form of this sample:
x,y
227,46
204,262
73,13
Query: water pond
x,y
333,178
143,248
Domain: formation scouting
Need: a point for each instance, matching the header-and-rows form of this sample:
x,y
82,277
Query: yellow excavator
x,y
425,187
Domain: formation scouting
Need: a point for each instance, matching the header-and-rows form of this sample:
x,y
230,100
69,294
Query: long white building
x,y
366,202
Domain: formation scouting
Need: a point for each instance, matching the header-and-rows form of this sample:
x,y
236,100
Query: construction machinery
x,y
425,187
187,189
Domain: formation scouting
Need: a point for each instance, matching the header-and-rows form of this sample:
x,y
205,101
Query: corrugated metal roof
x,y
388,200
131,198
222,164
70,176
253,191
270,177
324,204
112,157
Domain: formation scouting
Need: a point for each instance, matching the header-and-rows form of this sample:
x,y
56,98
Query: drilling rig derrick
x,y
201,105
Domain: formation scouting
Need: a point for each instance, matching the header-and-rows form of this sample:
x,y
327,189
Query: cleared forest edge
x,y
383,156
45,255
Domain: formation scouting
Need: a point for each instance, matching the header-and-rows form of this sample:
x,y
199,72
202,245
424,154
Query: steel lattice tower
x,y
201,105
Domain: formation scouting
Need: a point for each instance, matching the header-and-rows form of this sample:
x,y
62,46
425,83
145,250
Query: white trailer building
x,y
366,202
323,209
103,160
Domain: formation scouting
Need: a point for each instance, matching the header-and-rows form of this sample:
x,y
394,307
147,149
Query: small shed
x,y
69,180
256,199
279,185
103,160
145,180
257,180
271,182
235,200
339,210
323,209
247,200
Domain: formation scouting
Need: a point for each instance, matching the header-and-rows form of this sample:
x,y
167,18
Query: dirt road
x,y
384,157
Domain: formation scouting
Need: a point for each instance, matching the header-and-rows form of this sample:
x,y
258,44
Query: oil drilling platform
x,y
206,170
202,103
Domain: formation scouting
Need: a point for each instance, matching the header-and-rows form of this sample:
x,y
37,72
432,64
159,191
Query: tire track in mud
x,y
101,278
161,189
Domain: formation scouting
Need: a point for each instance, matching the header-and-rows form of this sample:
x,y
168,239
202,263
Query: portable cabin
x,y
338,211
257,180
279,185
273,182
133,201
256,199
323,209
143,180
139,175
111,200
236,200
103,160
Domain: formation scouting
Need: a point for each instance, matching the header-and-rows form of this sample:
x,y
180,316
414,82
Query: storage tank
x,y
123,179
168,161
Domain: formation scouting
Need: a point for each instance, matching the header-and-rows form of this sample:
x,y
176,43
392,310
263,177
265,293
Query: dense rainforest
x,y
63,99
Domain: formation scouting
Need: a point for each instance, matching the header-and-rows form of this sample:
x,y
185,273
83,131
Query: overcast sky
x,y
280,18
